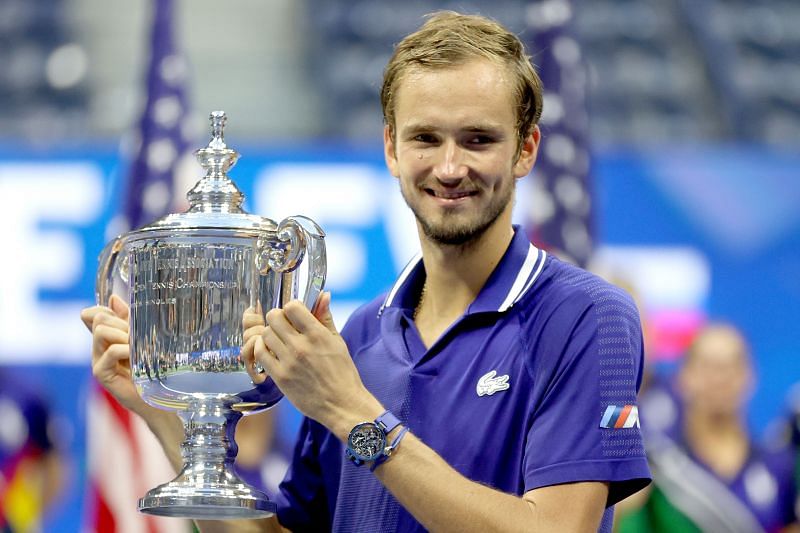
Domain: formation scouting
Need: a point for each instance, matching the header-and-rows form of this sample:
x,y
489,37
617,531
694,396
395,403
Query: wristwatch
x,y
367,440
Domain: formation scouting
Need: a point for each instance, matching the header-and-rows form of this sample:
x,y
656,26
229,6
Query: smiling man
x,y
494,387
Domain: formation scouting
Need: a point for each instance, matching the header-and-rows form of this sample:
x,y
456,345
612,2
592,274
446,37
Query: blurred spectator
x,y
31,467
709,474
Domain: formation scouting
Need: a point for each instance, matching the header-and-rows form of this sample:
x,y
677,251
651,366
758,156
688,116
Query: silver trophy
x,y
188,279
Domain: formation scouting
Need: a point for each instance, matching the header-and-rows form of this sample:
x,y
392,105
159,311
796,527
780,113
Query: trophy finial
x,y
216,191
218,120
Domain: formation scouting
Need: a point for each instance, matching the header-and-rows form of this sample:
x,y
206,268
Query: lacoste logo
x,y
489,384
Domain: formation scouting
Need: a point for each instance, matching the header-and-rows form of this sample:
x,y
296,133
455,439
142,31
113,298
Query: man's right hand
x,y
111,352
111,366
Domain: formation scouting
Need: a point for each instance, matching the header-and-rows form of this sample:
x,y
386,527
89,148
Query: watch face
x,y
366,441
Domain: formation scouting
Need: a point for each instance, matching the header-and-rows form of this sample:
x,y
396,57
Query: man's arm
x,y
443,500
265,525
303,353
111,368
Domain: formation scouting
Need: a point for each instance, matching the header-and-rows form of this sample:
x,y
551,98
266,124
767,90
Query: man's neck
x,y
454,277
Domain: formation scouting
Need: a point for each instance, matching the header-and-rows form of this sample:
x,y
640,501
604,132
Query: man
x,y
503,380
708,473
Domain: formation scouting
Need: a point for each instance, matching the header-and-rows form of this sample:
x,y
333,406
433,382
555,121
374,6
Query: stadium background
x,y
694,139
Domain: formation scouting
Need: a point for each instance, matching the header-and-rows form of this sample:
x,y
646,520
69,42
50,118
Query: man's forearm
x,y
441,499
265,525
168,429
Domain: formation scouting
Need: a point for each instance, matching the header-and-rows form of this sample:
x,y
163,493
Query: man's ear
x,y
390,152
527,153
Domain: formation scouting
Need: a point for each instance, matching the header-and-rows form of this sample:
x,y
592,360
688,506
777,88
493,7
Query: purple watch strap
x,y
387,422
388,451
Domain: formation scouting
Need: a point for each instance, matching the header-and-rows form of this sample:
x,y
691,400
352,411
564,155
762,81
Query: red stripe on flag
x,y
103,516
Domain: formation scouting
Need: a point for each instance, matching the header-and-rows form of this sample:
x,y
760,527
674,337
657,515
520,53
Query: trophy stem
x,y
207,487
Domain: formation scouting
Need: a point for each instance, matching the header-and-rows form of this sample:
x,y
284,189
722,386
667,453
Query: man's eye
x,y
481,139
425,138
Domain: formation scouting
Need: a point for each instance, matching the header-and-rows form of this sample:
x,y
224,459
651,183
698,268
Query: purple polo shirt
x,y
513,395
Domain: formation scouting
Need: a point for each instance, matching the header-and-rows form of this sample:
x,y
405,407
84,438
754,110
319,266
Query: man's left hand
x,y
310,363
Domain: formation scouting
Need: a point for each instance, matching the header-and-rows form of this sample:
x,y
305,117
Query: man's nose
x,y
452,162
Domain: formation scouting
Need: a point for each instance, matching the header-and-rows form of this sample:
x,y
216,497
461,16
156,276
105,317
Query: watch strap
x,y
387,422
389,450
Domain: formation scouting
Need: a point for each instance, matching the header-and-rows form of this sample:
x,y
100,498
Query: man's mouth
x,y
450,195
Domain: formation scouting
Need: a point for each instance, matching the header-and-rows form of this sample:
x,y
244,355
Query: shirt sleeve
x,y
306,496
585,426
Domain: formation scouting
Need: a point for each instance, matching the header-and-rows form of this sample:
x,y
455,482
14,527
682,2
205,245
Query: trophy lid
x,y
215,202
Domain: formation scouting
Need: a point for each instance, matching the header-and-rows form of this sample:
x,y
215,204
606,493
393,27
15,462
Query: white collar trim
x,y
527,275
531,268
400,280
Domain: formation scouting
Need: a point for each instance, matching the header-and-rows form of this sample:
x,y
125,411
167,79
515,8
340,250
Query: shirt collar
x,y
511,279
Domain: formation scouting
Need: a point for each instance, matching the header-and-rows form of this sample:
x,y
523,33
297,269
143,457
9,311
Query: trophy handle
x,y
108,268
300,240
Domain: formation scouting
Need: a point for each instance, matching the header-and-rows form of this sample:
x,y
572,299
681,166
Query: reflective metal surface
x,y
188,279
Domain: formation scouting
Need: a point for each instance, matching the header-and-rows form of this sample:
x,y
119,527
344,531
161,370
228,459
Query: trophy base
x,y
182,500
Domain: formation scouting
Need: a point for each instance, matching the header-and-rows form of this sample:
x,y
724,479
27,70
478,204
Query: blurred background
x,y
670,164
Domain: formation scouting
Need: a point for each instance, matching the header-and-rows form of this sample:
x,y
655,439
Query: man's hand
x,y
111,352
253,326
310,363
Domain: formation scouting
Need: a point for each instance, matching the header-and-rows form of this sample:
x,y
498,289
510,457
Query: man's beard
x,y
455,233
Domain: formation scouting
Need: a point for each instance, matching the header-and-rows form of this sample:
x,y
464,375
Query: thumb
x,y
119,307
322,311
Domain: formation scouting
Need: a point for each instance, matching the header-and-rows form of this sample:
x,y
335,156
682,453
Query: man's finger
x,y
267,358
108,364
110,320
279,323
299,316
88,314
119,307
247,354
106,336
251,365
251,319
252,332
275,345
116,353
322,312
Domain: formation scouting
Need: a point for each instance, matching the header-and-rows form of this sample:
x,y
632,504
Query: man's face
x,y
455,149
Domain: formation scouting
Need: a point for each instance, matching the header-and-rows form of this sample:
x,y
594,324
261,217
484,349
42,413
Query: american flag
x,y
561,207
125,460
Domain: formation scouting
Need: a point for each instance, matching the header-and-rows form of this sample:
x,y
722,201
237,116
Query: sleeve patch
x,y
620,416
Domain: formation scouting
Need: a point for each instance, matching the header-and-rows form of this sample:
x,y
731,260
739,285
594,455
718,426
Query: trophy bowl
x,y
188,279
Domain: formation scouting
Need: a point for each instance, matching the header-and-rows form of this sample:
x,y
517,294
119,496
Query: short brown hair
x,y
448,38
